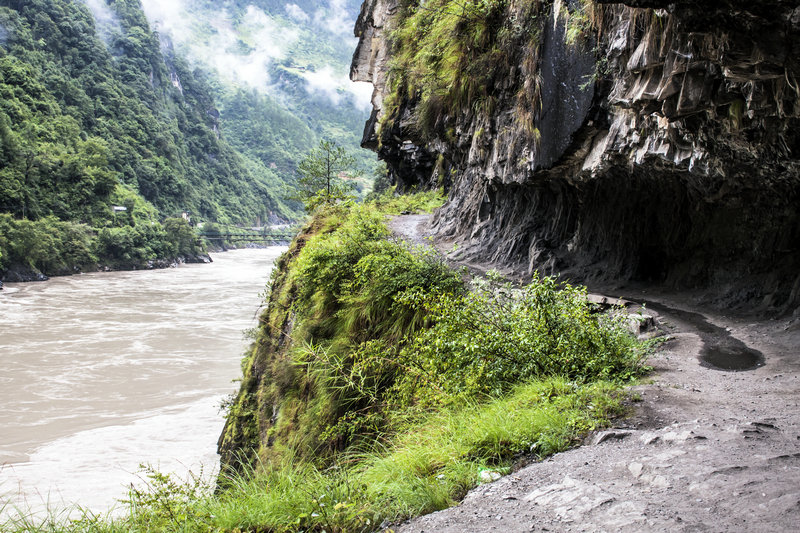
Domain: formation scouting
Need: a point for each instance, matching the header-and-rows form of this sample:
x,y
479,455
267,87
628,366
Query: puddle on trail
x,y
731,358
722,350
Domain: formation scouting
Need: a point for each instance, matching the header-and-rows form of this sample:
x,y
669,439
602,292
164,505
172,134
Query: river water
x,y
102,372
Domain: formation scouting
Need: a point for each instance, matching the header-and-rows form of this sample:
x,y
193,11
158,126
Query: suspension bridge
x,y
274,238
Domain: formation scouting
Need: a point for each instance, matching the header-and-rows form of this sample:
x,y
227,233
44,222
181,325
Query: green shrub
x,y
352,288
57,247
419,202
48,245
486,341
181,237
352,282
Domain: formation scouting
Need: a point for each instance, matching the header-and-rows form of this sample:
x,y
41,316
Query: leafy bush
x,y
419,202
484,342
350,288
56,247
357,277
49,245
181,237
132,246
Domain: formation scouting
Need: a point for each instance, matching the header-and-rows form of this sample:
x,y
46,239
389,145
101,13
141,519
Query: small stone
x,y
659,482
636,469
487,476
650,438
607,435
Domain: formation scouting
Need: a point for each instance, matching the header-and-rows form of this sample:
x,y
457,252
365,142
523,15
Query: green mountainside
x,y
280,74
99,109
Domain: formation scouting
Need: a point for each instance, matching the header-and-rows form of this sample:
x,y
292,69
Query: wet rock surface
x,y
675,162
19,273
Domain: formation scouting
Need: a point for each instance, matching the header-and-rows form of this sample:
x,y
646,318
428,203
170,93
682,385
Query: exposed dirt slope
x,y
706,449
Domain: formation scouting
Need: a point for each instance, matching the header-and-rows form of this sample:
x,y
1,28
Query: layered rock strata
x,y
666,145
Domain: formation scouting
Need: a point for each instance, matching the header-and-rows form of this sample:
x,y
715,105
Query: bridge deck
x,y
247,237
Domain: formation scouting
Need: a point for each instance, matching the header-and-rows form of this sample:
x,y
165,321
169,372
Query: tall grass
x,y
429,466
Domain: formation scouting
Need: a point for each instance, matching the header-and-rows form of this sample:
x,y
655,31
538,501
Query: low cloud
x,y
296,12
363,94
105,19
338,89
241,54
169,18
335,19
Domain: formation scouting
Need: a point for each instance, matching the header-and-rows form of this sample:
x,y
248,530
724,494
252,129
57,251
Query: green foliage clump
x,y
47,245
381,328
359,277
350,288
450,55
581,21
56,247
130,246
419,202
484,342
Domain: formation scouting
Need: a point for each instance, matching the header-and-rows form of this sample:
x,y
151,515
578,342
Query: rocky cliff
x,y
640,140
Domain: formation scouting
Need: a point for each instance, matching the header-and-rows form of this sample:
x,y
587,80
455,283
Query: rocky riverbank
x,y
21,273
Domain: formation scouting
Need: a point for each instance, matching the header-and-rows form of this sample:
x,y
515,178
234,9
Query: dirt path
x,y
706,450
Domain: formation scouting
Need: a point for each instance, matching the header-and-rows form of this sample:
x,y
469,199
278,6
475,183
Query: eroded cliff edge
x,y
639,140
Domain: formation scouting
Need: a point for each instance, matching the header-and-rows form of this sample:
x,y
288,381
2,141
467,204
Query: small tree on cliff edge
x,y
319,181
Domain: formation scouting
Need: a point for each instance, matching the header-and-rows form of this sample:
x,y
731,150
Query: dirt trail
x,y
706,449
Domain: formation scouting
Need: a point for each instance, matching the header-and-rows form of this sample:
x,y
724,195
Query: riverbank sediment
x,y
23,274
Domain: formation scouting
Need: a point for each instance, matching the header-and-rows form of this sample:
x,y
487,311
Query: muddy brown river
x,y
100,373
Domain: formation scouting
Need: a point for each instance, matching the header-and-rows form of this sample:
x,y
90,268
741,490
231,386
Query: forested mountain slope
x,y
279,73
67,92
98,109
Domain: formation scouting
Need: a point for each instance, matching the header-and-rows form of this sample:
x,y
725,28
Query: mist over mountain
x,y
162,108
244,41
287,63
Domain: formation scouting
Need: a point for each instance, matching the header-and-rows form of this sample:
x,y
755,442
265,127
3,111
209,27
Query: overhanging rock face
x,y
667,147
